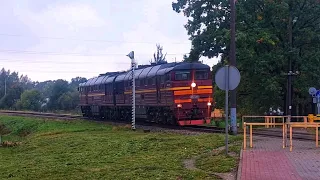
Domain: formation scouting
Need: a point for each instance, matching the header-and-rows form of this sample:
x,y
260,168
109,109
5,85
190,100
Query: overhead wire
x,y
73,54
89,40
66,72
56,62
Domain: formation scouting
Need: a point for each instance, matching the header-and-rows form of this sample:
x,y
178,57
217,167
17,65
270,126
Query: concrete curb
x,y
240,164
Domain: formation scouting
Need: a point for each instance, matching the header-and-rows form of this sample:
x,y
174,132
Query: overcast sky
x,y
59,39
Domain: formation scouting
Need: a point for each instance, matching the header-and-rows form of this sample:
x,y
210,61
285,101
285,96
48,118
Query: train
x,y
175,93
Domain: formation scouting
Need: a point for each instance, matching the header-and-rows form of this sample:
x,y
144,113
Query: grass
x,y
221,123
89,150
223,163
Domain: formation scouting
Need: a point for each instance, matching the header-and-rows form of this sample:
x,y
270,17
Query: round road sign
x,y
233,77
312,91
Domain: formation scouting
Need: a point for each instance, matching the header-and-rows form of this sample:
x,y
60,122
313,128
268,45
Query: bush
x,y
3,131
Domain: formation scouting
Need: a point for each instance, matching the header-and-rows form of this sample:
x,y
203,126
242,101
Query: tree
x,y
58,88
10,89
158,57
19,91
45,88
74,84
263,47
69,100
30,100
11,97
194,56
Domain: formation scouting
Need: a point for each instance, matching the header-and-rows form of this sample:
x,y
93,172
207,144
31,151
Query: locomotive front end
x,y
193,95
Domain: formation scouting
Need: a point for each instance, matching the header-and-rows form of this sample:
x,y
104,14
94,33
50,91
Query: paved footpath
x,y
267,160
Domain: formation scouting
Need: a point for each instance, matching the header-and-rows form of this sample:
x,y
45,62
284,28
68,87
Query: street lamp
x,y
131,56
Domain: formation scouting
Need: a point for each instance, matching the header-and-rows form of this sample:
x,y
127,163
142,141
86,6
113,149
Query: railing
x,y
285,126
272,119
261,124
315,125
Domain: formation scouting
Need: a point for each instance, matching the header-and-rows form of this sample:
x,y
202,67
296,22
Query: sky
x,y
58,39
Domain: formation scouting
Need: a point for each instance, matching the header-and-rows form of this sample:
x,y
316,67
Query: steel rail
x,y
205,129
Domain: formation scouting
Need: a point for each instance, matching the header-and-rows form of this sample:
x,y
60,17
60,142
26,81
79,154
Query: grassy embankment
x,y
89,150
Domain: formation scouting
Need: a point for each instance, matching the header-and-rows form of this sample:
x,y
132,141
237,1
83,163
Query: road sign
x,y
233,77
227,78
312,91
315,97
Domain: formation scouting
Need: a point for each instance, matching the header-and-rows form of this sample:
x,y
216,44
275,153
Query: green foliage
x,y
11,87
193,56
263,47
89,150
3,131
69,100
22,93
58,89
30,100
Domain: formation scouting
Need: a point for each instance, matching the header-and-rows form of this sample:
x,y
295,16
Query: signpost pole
x,y
226,106
133,97
133,125
222,79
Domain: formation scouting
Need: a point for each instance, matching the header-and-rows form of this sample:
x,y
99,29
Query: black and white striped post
x,y
133,125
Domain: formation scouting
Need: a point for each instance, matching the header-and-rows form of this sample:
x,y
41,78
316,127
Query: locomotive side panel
x,y
164,94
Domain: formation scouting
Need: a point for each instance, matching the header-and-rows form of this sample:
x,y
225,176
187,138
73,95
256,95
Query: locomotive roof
x,y
144,72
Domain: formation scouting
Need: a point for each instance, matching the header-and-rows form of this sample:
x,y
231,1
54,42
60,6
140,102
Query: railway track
x,y
207,129
144,124
42,115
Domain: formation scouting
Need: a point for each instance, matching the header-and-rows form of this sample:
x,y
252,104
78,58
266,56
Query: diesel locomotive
x,y
168,93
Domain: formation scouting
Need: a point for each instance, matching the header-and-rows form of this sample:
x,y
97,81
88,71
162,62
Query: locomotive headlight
x,y
179,105
209,104
193,84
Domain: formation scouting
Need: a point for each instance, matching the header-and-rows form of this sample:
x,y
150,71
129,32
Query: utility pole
x,y
5,86
291,51
290,63
233,93
290,72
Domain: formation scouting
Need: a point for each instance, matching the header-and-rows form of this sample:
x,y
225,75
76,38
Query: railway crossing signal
x,y
227,78
131,56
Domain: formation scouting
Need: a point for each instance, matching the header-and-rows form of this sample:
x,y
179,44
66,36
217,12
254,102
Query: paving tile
x,y
268,160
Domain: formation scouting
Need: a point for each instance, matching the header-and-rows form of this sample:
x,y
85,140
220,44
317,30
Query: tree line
x,y
264,46
18,92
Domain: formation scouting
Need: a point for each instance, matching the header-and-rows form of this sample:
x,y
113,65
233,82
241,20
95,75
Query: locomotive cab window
x,y
201,74
182,75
